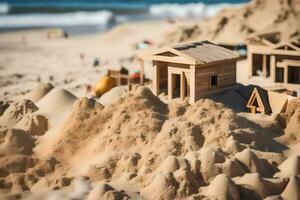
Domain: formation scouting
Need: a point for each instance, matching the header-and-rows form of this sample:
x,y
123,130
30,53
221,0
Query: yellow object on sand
x,y
103,85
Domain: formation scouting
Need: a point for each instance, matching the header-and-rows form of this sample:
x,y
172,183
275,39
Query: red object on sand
x,y
134,76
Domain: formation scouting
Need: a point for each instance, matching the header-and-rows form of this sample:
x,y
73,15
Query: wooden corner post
x,y
170,84
264,65
155,78
192,84
182,86
272,67
142,72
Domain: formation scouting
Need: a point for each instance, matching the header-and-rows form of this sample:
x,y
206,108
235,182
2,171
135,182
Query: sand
x,y
233,25
24,65
59,142
137,145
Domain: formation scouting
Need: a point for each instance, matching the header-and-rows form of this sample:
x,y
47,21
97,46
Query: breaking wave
x,y
65,19
188,10
4,8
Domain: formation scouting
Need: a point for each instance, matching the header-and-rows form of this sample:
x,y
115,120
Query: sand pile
x,y
253,164
292,190
222,187
173,149
262,186
19,168
57,100
16,111
16,141
233,25
290,167
138,145
113,95
41,90
292,106
33,124
292,120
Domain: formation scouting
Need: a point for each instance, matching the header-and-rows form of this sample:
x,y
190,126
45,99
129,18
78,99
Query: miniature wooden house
x,y
192,70
119,75
272,58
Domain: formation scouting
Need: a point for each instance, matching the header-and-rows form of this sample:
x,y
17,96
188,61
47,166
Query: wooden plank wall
x,y
226,77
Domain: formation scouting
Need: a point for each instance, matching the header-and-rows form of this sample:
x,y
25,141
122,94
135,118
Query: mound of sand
x,y
252,163
105,192
15,141
16,111
293,125
3,106
290,167
36,94
292,106
57,100
138,145
292,130
234,100
261,186
113,95
233,25
33,124
222,187
141,138
292,190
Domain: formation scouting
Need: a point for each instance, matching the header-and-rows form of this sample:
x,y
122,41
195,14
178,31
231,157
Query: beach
x,y
59,139
36,58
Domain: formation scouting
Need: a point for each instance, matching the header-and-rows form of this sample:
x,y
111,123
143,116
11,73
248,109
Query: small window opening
x,y
213,81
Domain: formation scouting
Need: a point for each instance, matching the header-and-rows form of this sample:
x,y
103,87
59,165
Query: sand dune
x,y
233,25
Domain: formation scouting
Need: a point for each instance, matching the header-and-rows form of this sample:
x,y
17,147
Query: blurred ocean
x,y
85,16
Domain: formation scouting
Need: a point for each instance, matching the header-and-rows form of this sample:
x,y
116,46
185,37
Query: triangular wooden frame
x,y
287,44
255,97
180,58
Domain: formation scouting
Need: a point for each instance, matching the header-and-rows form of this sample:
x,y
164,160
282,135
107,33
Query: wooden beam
x,y
272,67
192,84
264,65
182,86
170,85
285,74
268,51
250,64
155,52
177,59
142,72
155,79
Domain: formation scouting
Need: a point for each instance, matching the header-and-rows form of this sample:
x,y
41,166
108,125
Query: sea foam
x,y
188,10
65,19
4,8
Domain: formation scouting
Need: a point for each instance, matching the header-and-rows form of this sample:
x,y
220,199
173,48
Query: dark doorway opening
x,y
176,84
279,77
268,65
257,64
293,75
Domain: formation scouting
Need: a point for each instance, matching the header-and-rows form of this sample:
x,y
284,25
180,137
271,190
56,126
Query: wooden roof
x,y
273,41
203,52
